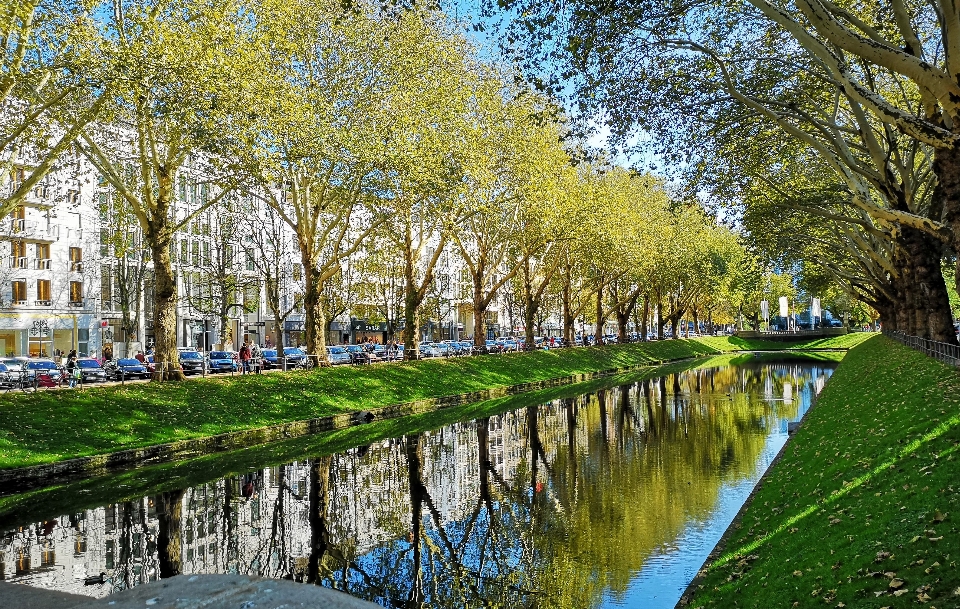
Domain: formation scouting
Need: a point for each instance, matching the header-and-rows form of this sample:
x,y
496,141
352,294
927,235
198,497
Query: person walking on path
x,y
72,369
256,357
245,358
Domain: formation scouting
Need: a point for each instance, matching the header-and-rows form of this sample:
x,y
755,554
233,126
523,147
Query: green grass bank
x,y
863,507
52,426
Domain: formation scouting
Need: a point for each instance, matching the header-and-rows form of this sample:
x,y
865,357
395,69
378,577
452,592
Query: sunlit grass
x,y
55,425
862,509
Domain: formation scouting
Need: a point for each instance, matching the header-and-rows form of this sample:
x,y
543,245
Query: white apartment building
x,y
72,260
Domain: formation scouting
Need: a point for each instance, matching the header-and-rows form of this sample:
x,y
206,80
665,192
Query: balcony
x,y
19,228
18,262
42,303
76,266
42,264
19,303
75,304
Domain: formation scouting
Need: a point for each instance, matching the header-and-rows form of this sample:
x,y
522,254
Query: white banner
x,y
783,307
765,310
815,308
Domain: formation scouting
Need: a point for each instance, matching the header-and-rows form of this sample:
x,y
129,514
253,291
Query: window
x,y
206,253
184,251
18,254
183,189
106,285
298,272
43,290
19,291
103,206
196,253
104,242
251,260
76,259
76,292
43,255
73,197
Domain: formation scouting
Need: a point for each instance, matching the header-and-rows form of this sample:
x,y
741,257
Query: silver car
x,y
337,355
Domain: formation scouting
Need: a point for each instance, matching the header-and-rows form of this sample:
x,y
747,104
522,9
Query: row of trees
x,y
351,129
839,119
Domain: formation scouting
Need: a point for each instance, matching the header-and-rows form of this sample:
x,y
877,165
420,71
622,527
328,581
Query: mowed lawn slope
x,y
863,508
49,426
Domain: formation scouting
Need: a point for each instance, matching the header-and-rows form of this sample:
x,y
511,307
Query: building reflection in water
x,y
555,505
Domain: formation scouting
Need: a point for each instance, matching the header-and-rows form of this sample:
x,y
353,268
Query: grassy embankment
x,y
71,497
51,426
863,508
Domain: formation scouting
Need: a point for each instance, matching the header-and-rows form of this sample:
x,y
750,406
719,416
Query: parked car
x,y
13,364
7,376
126,368
91,371
358,354
191,361
270,358
223,361
294,355
337,355
45,370
429,350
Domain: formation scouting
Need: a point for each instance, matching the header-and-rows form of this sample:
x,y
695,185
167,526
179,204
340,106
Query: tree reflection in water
x,y
558,505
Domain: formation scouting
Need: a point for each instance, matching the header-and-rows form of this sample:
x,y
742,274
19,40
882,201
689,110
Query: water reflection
x,y
567,504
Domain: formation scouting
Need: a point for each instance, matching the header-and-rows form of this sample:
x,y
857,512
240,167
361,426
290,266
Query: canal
x,y
611,498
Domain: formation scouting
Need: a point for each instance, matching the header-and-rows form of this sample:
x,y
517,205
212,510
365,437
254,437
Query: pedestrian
x,y
141,357
72,369
255,356
245,358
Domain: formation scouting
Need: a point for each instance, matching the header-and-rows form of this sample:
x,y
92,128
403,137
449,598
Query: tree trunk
x,y
598,333
567,313
924,307
646,317
313,325
411,338
166,356
479,312
530,307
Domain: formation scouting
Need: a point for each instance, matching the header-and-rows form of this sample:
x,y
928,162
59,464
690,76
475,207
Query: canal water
x,y
608,499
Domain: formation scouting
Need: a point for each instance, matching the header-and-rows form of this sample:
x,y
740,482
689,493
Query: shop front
x,y
293,333
362,331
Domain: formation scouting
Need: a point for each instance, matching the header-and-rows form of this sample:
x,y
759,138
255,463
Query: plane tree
x,y
870,91
175,67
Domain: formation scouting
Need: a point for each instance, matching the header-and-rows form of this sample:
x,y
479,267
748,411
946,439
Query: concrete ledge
x,y
222,592
20,596
25,478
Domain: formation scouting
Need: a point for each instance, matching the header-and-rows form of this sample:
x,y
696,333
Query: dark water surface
x,y
608,499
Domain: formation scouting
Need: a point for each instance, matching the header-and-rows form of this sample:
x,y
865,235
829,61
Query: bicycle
x,y
19,381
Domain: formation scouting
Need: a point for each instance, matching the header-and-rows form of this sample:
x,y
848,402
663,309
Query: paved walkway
x,y
190,592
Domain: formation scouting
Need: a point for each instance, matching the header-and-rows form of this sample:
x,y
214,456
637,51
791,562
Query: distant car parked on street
x,y
223,361
126,369
337,355
91,371
192,362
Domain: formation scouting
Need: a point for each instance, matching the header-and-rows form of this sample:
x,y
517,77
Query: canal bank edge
x,y
185,449
696,584
191,447
860,508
